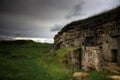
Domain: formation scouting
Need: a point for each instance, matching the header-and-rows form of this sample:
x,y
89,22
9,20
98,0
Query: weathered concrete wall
x,y
98,37
73,59
109,44
92,58
119,51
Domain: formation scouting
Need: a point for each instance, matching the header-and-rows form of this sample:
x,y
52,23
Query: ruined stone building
x,y
98,39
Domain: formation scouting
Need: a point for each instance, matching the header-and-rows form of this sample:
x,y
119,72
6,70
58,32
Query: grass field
x,y
27,60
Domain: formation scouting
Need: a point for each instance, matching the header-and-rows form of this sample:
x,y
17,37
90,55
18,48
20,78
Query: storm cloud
x,y
92,7
77,11
56,27
44,18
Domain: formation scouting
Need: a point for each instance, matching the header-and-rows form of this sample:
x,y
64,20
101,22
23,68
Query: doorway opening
x,y
114,55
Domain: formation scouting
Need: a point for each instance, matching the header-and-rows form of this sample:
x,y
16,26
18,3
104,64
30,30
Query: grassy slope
x,y
27,60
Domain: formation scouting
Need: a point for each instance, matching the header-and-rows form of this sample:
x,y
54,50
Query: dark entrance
x,y
114,55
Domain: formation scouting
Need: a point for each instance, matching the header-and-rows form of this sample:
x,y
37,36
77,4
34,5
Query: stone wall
x,y
98,38
119,51
73,59
92,58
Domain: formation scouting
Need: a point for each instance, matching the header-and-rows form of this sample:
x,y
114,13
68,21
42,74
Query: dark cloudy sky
x,y
44,18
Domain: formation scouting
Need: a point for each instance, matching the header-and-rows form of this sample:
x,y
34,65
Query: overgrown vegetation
x,y
98,76
27,60
90,23
61,52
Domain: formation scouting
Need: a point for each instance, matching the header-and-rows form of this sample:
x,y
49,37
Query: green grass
x,y
61,52
27,60
30,61
98,76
